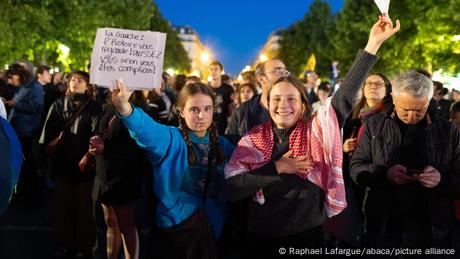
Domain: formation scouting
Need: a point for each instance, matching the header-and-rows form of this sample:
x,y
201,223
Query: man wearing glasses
x,y
255,111
409,160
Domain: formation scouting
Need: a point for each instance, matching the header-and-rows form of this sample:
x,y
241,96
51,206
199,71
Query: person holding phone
x,y
409,161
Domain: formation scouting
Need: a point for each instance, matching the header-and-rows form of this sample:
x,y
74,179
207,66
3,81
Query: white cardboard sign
x,y
134,56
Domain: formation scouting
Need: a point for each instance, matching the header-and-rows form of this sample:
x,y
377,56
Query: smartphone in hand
x,y
414,171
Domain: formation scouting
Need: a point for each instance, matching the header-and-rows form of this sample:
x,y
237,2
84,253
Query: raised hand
x,y
120,98
380,32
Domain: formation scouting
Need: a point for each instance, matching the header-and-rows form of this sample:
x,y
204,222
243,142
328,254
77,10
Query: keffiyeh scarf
x,y
318,138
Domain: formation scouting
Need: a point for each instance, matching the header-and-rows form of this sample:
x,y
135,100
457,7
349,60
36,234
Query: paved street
x,y
28,233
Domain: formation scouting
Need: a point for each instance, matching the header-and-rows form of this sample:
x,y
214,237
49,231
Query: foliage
x,y
35,30
175,54
309,36
426,39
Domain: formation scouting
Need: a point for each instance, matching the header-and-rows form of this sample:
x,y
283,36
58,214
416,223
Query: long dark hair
x,y
187,91
387,100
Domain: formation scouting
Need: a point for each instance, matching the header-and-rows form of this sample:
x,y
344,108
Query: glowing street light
x,y
263,58
196,73
170,71
204,57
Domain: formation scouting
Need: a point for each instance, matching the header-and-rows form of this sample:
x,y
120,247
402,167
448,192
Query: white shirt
x,y
2,109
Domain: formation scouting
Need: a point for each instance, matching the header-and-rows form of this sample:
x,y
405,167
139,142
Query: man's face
x,y
410,109
57,78
274,69
216,72
312,78
45,77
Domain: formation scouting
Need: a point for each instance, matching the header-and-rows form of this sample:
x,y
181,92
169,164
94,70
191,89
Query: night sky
x,y
236,30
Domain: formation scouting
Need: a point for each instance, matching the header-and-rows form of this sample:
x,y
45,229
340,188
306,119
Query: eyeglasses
x,y
377,84
280,71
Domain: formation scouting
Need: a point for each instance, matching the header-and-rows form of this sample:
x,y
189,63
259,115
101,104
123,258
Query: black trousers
x,y
27,190
261,247
413,237
191,239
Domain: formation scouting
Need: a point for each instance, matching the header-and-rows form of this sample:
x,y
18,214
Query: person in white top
x,y
2,109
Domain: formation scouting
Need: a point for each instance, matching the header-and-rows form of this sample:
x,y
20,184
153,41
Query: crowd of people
x,y
252,165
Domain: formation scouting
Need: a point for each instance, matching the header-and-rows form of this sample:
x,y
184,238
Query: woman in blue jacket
x,y
190,190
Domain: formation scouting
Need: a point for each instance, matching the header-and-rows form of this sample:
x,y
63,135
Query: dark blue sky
x,y
235,30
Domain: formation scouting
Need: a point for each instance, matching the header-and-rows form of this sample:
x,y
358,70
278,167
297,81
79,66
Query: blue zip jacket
x,y
178,186
10,162
26,116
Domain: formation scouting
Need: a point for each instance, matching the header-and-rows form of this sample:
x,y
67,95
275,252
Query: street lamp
x,y
170,71
196,73
263,58
204,57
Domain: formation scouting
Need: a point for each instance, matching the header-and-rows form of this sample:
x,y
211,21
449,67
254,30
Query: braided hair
x,y
187,91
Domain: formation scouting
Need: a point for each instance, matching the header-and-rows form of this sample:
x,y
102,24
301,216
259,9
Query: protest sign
x,y
134,56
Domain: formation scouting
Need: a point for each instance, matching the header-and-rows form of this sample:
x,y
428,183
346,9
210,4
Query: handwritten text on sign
x,y
134,56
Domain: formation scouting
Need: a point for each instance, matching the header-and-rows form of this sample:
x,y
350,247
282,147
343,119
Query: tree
x,y
294,48
22,27
40,30
427,38
175,54
435,40
309,36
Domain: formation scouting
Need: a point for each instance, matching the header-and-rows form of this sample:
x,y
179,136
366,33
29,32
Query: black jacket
x,y
245,117
119,170
379,149
64,164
